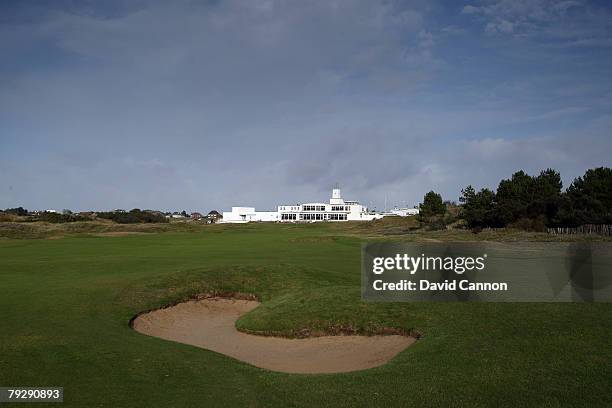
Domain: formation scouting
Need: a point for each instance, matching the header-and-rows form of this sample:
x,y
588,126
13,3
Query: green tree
x,y
17,211
588,200
432,205
514,196
479,209
524,197
546,197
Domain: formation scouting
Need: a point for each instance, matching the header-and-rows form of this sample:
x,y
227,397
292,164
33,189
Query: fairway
x,y
66,304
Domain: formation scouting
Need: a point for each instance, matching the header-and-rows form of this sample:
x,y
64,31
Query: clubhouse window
x,y
313,208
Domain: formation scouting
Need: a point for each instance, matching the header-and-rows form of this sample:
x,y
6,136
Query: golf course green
x,y
66,303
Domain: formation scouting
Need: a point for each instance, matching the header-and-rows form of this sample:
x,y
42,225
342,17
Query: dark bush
x,y
57,218
530,224
17,211
135,216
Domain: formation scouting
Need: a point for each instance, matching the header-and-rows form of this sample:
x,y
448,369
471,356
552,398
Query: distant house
x,y
213,217
405,212
196,216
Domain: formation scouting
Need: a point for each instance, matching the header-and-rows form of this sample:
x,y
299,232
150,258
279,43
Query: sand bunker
x,y
210,324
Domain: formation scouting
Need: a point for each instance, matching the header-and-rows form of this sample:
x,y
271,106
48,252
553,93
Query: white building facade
x,y
248,214
405,212
336,210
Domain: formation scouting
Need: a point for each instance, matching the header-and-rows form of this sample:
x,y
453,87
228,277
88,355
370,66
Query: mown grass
x,y
66,304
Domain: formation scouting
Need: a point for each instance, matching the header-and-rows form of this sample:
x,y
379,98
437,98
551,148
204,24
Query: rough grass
x,y
66,304
39,229
394,228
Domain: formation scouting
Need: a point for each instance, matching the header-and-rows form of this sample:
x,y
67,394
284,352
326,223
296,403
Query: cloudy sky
x,y
199,105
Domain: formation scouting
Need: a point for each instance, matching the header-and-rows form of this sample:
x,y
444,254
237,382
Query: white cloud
x,y
568,20
425,39
499,26
564,6
469,9
186,104
453,30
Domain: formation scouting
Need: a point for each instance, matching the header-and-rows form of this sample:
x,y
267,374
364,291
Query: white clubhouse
x,y
336,210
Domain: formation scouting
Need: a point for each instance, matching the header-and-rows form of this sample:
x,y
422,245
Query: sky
x,y
206,105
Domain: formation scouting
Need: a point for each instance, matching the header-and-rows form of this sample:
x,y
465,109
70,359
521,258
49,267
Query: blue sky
x,y
200,105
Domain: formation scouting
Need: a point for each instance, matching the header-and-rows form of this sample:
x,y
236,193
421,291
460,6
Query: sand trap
x,y
210,324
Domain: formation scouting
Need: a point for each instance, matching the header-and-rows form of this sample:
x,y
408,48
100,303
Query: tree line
x,y
134,216
532,202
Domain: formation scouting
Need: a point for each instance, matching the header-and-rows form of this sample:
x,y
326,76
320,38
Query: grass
x,y
66,303
395,228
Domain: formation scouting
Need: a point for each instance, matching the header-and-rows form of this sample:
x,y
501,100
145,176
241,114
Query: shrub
x,y
135,216
530,224
57,218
